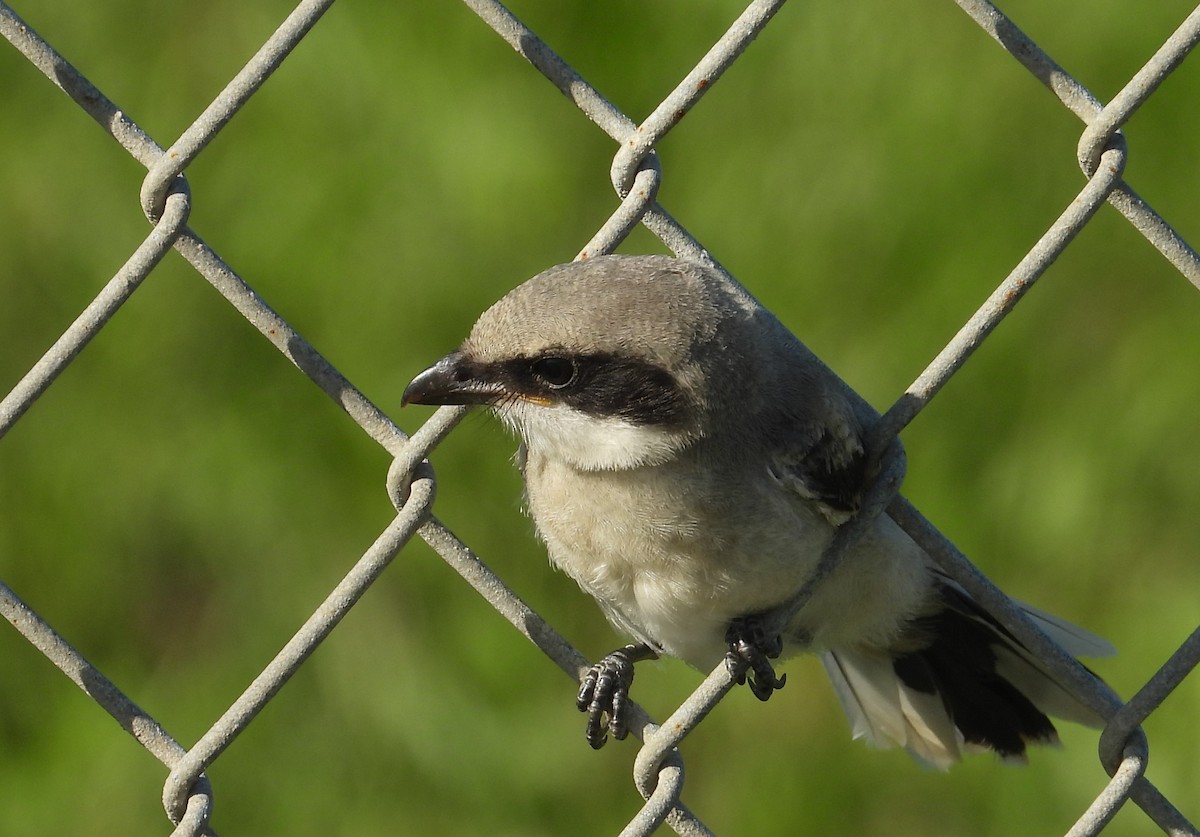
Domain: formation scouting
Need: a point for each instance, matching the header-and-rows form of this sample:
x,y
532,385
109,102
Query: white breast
x,y
671,558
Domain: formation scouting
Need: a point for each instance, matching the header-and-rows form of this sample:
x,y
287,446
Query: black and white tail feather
x,y
969,686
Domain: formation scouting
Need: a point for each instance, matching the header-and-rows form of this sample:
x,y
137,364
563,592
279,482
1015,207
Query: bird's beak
x,y
450,381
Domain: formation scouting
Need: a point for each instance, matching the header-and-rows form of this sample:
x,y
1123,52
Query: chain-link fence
x,y
636,174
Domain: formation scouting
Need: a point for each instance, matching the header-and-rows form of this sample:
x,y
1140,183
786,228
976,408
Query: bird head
x,y
606,364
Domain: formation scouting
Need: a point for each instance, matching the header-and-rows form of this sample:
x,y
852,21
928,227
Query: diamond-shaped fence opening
x,y
178,500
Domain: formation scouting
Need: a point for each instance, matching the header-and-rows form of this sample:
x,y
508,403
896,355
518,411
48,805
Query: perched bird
x,y
686,460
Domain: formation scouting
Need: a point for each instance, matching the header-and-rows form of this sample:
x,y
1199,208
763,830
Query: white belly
x,y
673,571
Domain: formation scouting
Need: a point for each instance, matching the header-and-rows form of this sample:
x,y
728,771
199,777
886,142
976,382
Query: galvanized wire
x,y
1107,119
636,174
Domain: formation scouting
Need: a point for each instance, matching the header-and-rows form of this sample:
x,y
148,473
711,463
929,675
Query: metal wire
x,y
636,174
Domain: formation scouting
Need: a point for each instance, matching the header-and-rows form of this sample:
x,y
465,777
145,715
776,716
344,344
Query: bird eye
x,y
554,372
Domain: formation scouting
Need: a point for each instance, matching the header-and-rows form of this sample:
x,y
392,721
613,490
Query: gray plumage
x,y
687,460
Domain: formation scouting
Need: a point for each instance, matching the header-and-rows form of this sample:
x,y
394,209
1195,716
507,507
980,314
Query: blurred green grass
x,y
180,500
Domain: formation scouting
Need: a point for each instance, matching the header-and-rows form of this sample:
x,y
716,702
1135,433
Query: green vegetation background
x,y
181,499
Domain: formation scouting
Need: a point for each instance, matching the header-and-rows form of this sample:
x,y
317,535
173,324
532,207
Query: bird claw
x,y
603,693
750,652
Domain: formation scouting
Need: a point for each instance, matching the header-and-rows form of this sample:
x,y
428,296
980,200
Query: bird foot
x,y
603,693
750,652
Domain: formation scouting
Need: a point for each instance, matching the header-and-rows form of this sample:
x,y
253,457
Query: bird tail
x,y
969,686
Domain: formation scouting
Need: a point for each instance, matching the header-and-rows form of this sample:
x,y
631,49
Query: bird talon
x,y
750,653
764,685
603,694
736,664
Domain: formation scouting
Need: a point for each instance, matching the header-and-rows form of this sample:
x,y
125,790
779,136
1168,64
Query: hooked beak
x,y
451,380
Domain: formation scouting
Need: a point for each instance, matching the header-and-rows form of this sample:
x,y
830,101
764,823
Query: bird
x,y
687,460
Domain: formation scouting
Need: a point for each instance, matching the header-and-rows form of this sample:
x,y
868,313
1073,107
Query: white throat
x,y
590,443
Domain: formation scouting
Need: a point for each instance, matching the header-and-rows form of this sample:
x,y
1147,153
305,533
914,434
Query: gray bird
x,y
687,460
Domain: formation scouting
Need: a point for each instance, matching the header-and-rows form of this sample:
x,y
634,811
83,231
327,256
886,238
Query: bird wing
x,y
825,463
